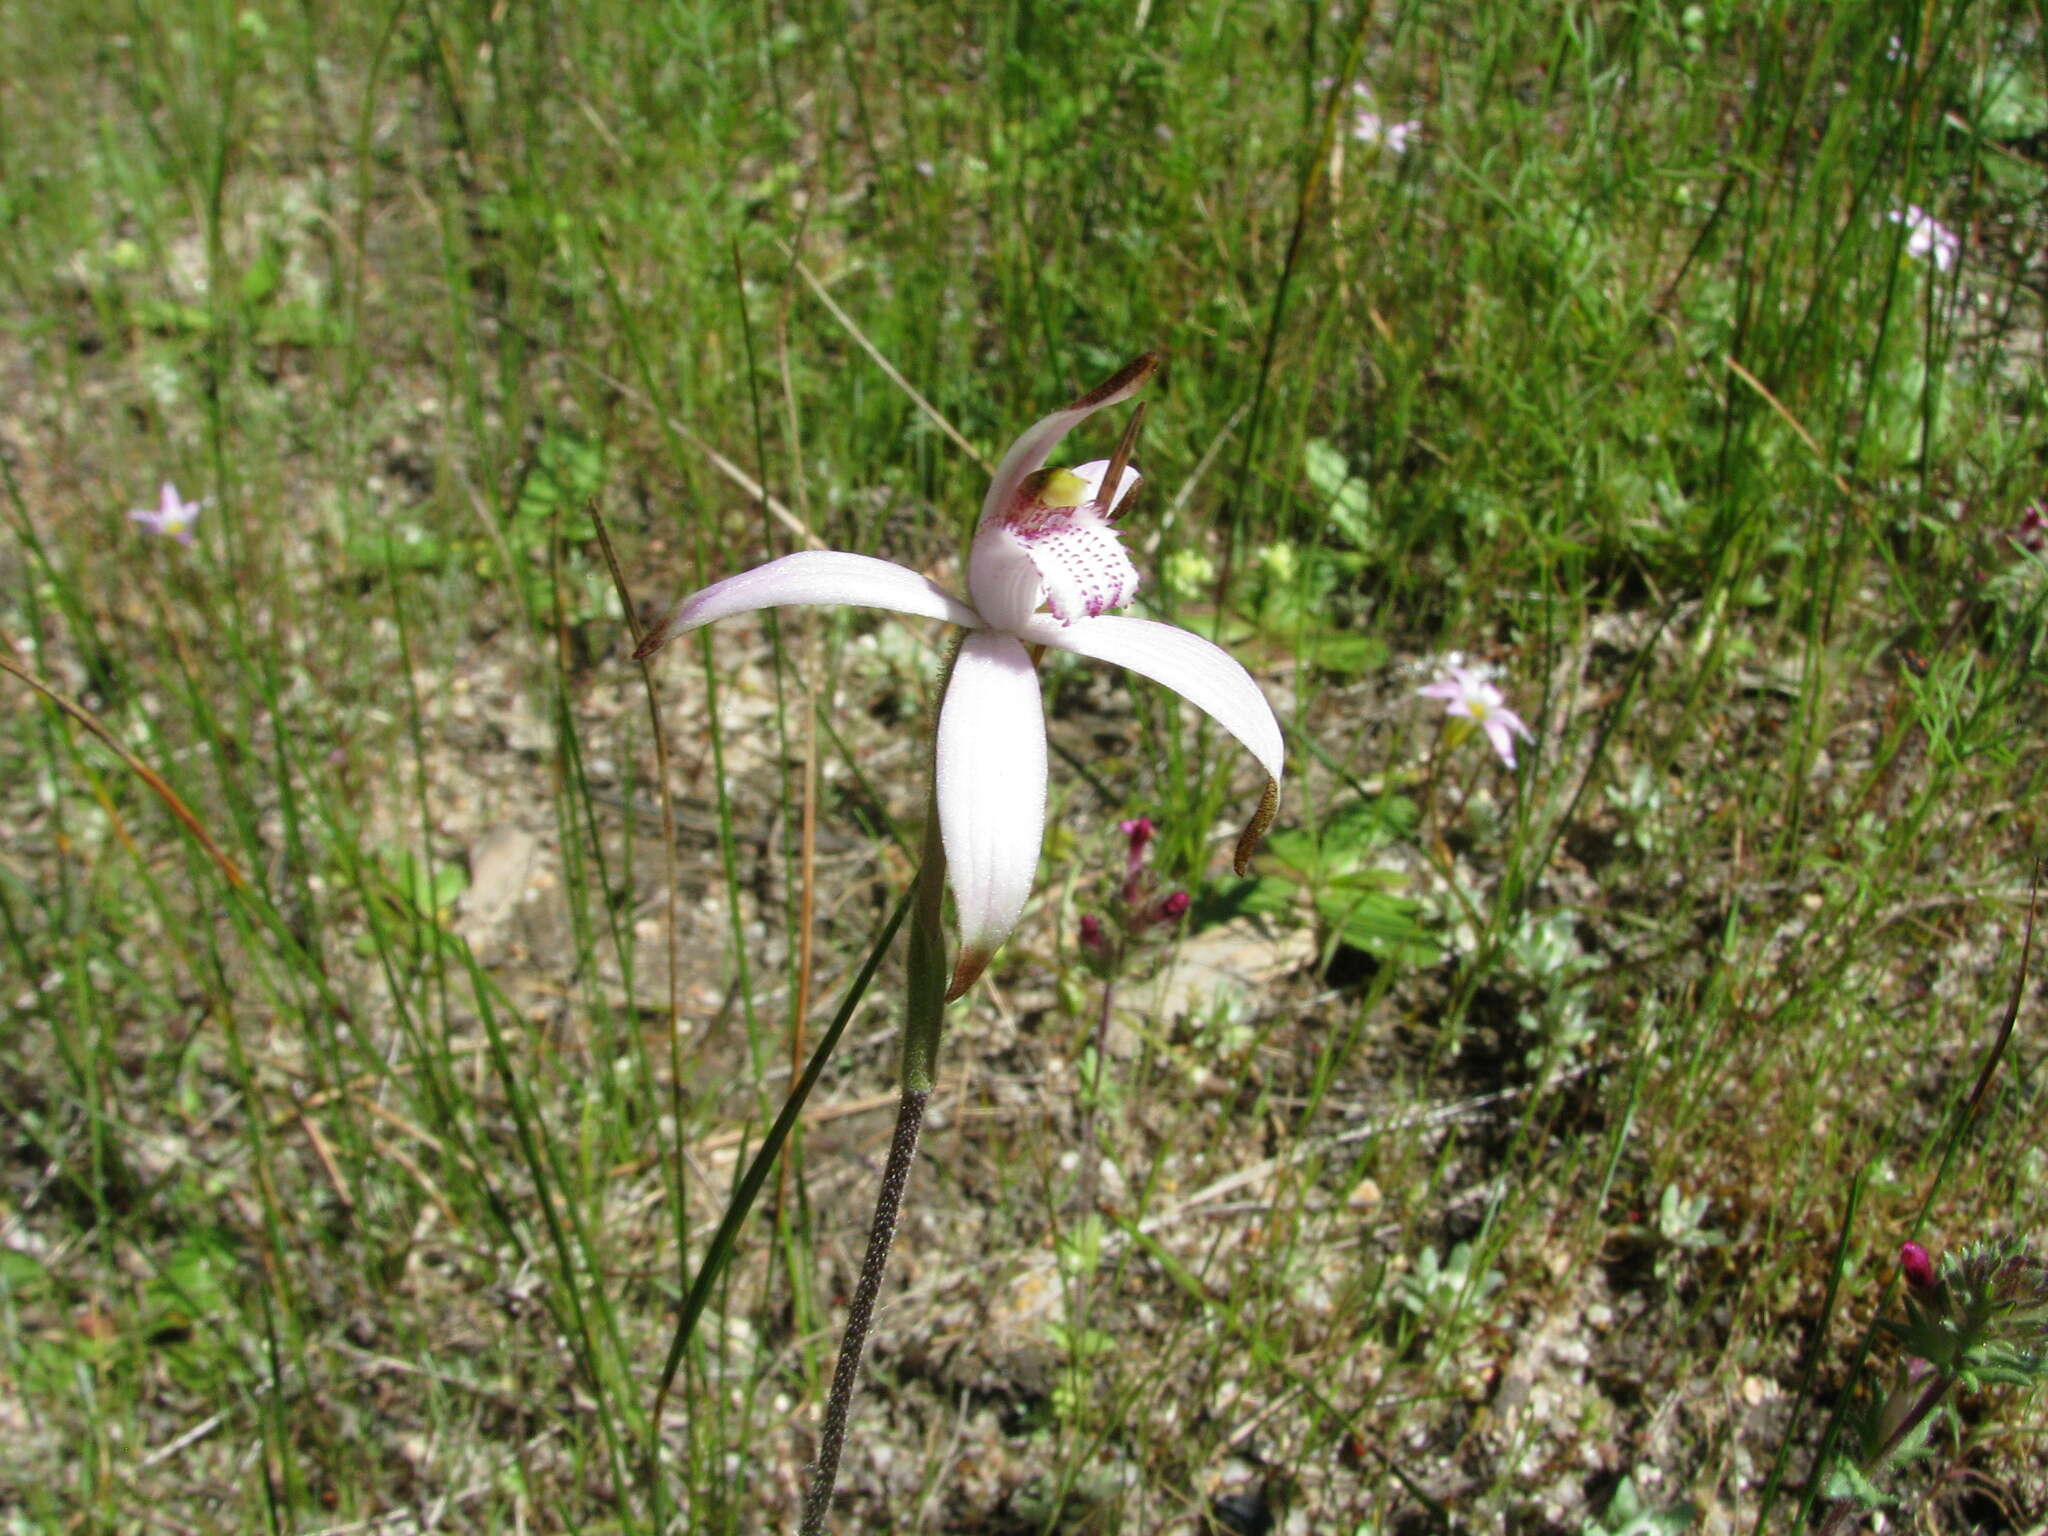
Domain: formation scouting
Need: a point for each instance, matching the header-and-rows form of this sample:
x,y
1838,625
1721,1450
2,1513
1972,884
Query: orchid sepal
x,y
810,577
1201,672
1256,829
989,776
1036,444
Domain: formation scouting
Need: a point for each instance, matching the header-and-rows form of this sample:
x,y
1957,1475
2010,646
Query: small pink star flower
x,y
1466,692
1927,238
1368,127
172,518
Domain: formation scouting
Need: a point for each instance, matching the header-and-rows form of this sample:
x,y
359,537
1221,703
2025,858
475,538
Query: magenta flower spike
x,y
171,518
1467,693
1138,832
1046,567
1095,942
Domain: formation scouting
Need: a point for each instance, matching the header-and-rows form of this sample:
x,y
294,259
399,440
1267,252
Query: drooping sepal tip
x,y
967,971
654,639
1255,831
1121,384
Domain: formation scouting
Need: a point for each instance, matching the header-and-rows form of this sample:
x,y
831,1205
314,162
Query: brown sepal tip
x,y
652,641
1124,381
967,971
1255,831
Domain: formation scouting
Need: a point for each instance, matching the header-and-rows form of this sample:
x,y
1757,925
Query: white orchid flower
x,y
1046,540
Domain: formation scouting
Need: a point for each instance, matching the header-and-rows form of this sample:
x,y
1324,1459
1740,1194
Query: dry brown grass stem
x,y
931,411
671,875
135,765
1785,415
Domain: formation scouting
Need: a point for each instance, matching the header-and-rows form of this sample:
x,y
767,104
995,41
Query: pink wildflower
x,y
1139,830
1917,1267
1368,127
171,518
1466,692
1095,942
1927,238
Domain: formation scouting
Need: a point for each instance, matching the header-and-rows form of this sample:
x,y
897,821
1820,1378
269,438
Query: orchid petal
x,y
1002,578
1205,675
812,576
1029,451
1054,545
1091,475
1084,568
990,787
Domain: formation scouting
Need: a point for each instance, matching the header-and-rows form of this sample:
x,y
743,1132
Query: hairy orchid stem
x,y
931,982
923,1024
860,1315
928,982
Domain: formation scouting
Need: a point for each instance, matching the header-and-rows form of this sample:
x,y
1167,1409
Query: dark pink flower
x,y
1140,831
1917,1266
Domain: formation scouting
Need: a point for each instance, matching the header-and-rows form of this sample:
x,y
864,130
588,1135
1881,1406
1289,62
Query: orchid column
x,y
1046,568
